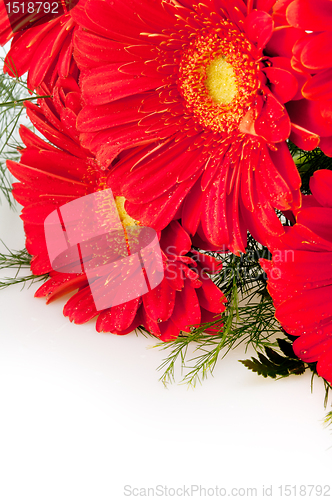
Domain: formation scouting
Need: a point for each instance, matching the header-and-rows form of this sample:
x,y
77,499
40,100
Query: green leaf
x,y
265,361
258,367
273,364
274,356
286,348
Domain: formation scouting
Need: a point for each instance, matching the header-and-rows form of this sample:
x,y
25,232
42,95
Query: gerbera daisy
x,y
312,52
42,42
53,176
190,94
300,277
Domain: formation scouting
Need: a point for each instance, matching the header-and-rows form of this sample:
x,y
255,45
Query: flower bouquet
x,y
176,177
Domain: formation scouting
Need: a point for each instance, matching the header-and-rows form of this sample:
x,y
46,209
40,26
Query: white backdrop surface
x,y
83,415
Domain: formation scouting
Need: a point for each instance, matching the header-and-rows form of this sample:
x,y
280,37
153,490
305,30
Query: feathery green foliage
x,y
13,93
19,260
249,319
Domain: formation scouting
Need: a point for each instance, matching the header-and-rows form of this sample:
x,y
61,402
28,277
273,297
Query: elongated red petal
x,y
310,16
80,308
317,52
159,302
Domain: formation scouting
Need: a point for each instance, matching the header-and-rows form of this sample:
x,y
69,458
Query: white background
x,y
83,414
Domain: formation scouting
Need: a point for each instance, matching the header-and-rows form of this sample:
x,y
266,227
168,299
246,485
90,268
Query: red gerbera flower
x,y
53,176
313,53
300,277
187,90
43,47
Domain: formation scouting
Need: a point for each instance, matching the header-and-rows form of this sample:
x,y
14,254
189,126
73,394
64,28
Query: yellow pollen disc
x,y
124,217
218,78
221,81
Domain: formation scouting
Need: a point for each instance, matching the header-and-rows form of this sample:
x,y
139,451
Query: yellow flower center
x,y
124,217
218,78
221,81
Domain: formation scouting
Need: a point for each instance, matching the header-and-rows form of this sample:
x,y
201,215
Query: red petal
x,y
65,57
116,19
283,84
192,208
248,164
258,27
273,122
210,296
40,264
214,219
318,219
107,144
37,213
310,16
60,284
52,134
279,11
159,302
120,317
311,346
303,138
105,321
324,365
161,211
160,173
95,118
317,52
306,309
186,311
47,51
173,274
47,182
321,187
209,264
273,184
175,240
308,115
55,162
263,223
92,51
283,40
319,86
107,84
208,317
80,308
32,140
24,46
326,145
168,331
284,163
236,226
301,238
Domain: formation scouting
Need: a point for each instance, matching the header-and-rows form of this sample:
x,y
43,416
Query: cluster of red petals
x,y
127,126
312,55
52,176
300,277
43,48
220,184
185,298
